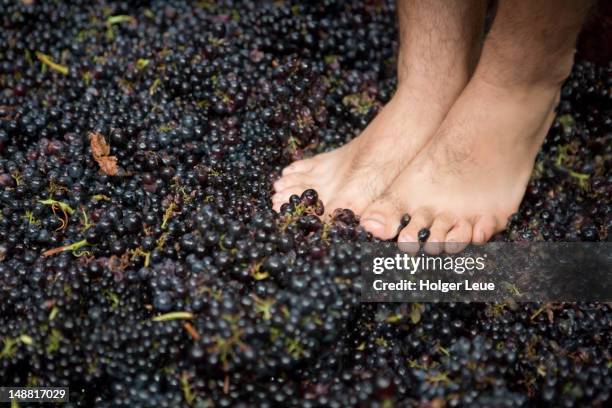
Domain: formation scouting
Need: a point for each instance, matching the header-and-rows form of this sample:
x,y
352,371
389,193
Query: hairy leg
x,y
437,38
439,45
533,43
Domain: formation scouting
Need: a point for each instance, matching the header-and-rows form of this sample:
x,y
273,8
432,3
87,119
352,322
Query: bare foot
x,y
473,174
353,175
439,45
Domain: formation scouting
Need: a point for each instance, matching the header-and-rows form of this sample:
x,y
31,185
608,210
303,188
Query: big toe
x,y
300,166
290,180
284,192
278,199
381,218
349,197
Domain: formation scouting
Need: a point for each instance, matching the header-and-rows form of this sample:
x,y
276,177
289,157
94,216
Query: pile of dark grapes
x,y
156,273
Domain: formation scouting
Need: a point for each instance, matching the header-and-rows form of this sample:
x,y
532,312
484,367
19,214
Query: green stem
x,y
173,316
63,206
71,247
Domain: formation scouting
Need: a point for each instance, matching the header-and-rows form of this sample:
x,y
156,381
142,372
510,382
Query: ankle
x,y
422,100
447,70
428,87
518,69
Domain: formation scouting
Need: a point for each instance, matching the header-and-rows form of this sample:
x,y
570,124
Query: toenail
x,y
409,247
433,247
406,238
453,245
374,222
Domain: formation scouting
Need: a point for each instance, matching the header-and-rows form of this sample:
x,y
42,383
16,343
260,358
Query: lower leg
x,y
439,44
532,42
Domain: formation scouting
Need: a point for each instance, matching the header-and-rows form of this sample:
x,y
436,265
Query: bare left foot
x,y
472,176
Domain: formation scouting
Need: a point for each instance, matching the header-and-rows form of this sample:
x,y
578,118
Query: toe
x,y
382,219
484,228
290,180
438,231
458,237
299,166
350,198
277,202
422,218
408,239
282,196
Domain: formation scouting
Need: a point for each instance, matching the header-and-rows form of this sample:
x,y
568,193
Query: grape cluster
x,y
141,263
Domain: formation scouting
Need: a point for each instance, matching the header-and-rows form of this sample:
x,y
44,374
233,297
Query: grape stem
x,y
71,247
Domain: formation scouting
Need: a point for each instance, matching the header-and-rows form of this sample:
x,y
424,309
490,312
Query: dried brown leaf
x,y
108,164
100,151
99,147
